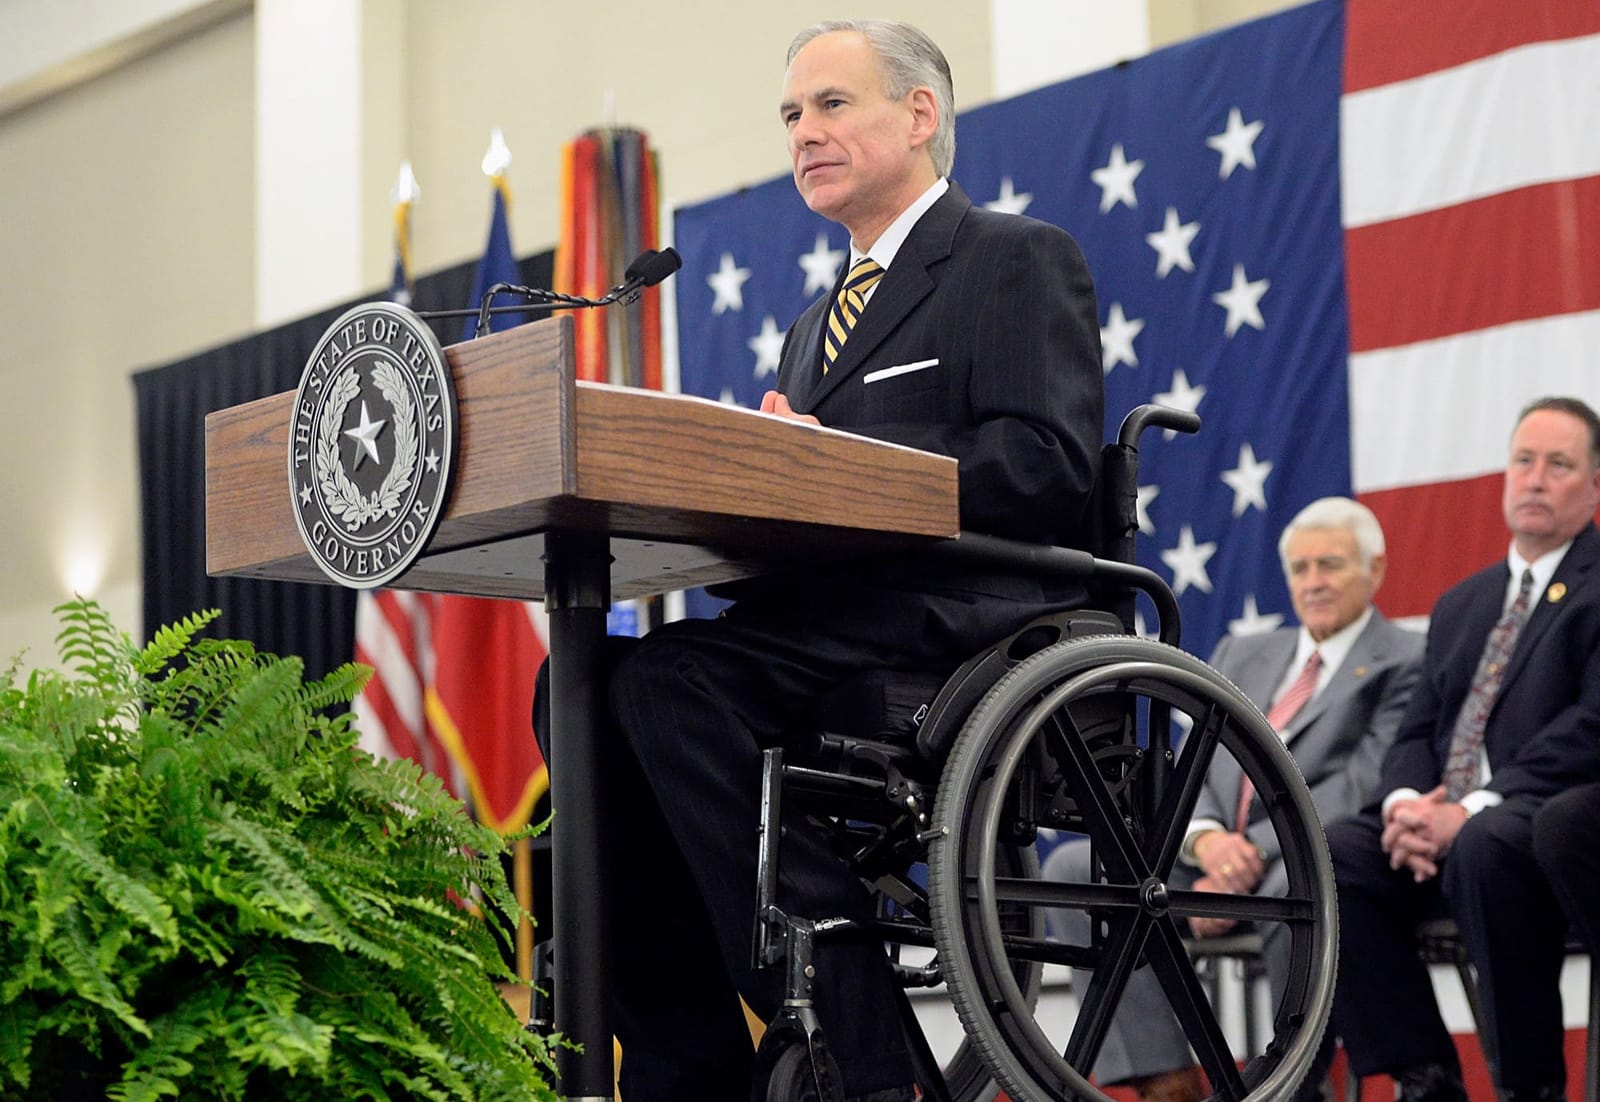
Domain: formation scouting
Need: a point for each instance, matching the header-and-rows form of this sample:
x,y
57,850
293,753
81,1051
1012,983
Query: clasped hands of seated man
x,y
1417,833
1230,863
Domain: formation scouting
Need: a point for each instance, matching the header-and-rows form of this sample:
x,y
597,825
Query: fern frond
x,y
171,641
18,1023
72,949
91,644
256,704
132,898
337,686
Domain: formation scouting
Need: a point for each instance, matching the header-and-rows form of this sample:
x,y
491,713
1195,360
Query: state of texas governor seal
x,y
372,445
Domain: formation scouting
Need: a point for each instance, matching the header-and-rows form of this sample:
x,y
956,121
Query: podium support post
x,y
577,597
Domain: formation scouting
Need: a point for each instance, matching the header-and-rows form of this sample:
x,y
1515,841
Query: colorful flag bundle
x,y
608,217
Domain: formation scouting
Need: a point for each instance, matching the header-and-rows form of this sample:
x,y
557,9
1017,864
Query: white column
x,y
1039,42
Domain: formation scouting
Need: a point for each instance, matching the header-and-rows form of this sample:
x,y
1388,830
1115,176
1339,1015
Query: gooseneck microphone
x,y
648,269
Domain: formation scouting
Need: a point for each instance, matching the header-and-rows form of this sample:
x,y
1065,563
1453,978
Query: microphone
x,y
652,267
648,269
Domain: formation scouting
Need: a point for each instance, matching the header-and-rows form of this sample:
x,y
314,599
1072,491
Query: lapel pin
x,y
1360,671
1556,591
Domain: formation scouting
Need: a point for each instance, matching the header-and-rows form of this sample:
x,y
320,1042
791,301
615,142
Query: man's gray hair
x,y
1337,512
910,59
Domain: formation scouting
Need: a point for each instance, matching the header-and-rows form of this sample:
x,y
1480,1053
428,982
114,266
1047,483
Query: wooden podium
x,y
576,493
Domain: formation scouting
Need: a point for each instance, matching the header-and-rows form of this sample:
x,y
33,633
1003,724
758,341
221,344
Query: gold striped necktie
x,y
847,307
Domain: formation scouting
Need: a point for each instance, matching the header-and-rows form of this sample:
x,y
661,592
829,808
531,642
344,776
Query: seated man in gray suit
x,y
1335,689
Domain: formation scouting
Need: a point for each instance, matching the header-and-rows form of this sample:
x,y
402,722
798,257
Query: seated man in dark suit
x,y
1566,840
1507,715
953,329
1335,688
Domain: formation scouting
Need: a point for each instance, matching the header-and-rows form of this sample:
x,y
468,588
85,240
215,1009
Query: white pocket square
x,y
898,369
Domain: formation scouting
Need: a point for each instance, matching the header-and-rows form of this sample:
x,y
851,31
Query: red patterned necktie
x,y
847,307
1300,690
1464,764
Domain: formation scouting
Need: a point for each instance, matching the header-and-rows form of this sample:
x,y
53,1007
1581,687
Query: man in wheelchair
x,y
974,335
955,330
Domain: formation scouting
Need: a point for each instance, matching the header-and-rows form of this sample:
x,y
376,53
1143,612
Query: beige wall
x,y
127,217
1175,20
126,227
704,86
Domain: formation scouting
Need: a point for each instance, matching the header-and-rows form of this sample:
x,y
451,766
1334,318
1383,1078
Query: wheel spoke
x,y
1060,893
1242,908
1183,792
1113,841
1044,892
1170,961
1099,1004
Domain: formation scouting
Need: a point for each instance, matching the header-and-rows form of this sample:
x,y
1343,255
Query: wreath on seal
x,y
341,495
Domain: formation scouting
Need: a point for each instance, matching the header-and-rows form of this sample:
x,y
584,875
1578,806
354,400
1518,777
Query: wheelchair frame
x,y
1061,699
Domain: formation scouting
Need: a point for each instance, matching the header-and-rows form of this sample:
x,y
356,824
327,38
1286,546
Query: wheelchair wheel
x,y
793,1079
965,1072
1033,753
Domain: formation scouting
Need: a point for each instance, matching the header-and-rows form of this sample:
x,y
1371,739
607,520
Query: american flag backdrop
x,y
1355,237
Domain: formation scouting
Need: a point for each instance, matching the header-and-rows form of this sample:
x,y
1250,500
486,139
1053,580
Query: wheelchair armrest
x,y
975,548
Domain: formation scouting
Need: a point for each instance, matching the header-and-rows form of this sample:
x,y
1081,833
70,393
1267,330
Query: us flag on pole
x,y
1355,237
452,684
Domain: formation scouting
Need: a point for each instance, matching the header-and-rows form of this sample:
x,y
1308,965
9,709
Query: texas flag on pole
x,y
1355,237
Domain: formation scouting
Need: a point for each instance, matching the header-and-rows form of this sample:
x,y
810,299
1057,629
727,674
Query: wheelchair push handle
x,y
1150,415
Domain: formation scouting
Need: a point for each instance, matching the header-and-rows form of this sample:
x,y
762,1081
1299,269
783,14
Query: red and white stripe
x,y
452,689
1470,147
394,635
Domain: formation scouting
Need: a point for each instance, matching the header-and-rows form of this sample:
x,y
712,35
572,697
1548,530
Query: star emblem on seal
x,y
372,444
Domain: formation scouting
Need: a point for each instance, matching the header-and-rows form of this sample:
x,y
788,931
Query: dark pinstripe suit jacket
x,y
981,342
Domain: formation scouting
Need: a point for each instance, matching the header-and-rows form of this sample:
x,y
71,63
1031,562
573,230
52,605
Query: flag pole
x,y
522,885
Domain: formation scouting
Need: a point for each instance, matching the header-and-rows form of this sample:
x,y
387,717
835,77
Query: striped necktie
x,y
1464,765
847,307
1295,697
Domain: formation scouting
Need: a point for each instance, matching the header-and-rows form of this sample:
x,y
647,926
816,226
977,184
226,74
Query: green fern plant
x,y
209,892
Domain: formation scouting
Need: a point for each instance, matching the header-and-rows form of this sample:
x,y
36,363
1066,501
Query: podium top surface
x,y
691,492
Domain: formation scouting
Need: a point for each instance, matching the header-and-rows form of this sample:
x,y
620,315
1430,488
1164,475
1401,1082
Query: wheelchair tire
x,y
966,1074
793,1079
1023,746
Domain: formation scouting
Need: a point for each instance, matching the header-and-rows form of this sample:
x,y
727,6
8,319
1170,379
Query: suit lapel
x,y
1259,674
1364,653
908,281
1267,672
797,377
906,284
1569,576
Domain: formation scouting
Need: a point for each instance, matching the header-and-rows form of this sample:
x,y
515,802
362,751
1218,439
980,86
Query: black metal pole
x,y
577,596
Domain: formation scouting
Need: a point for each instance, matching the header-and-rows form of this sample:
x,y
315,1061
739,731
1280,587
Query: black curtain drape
x,y
316,622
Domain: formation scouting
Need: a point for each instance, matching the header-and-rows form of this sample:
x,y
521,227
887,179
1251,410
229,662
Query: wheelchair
x,y
1065,726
